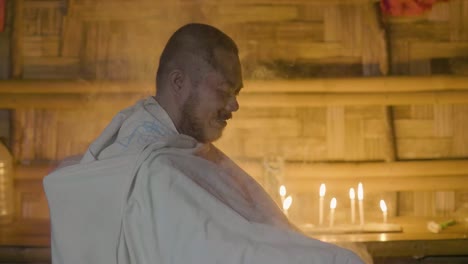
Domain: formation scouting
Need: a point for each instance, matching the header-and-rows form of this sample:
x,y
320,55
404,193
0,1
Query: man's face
x,y
213,99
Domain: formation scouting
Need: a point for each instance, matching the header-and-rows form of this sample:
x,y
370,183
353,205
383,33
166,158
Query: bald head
x,y
190,47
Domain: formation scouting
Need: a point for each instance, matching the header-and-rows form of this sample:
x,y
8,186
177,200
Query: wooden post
x,y
17,40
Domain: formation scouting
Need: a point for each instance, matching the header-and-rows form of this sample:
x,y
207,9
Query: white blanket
x,y
145,194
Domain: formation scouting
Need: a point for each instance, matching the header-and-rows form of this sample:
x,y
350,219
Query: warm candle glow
x,y
287,203
323,189
333,203
360,193
352,195
282,190
383,206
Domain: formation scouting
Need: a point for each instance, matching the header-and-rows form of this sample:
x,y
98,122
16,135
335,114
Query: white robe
x,y
144,194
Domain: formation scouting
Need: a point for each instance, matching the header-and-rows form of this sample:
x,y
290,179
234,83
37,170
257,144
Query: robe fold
x,y
143,193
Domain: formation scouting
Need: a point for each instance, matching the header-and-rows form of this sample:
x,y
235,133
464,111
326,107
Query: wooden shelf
x,y
67,94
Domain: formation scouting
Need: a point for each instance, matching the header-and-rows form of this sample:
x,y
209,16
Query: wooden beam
x,y
260,100
17,40
17,94
358,85
377,177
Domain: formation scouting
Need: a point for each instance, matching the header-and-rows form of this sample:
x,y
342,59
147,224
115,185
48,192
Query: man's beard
x,y
191,125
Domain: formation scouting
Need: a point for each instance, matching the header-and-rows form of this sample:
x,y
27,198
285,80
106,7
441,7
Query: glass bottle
x,y
6,186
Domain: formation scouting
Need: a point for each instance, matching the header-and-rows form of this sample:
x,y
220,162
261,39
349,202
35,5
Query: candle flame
x,y
323,189
352,194
383,206
360,192
282,190
333,203
287,203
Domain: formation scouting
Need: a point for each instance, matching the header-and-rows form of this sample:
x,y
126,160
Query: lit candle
x,y
286,204
361,206
383,207
352,197
332,211
282,192
322,195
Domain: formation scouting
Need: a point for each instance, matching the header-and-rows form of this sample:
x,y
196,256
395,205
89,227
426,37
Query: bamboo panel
x,y
354,139
400,57
120,10
427,50
245,13
274,31
460,130
332,24
299,149
374,44
440,12
50,68
443,120
271,126
422,112
414,128
41,46
72,36
335,133
459,20
424,148
427,30
352,30
301,50
373,128
373,147
31,200
42,20
314,122
402,112
313,13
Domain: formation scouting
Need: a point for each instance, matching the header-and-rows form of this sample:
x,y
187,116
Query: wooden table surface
x,y
27,239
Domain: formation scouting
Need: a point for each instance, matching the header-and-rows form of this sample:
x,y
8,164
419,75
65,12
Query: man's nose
x,y
233,104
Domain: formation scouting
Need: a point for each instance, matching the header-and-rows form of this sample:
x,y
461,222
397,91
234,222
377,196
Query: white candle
x,y
322,195
361,206
383,207
286,204
332,211
282,192
352,197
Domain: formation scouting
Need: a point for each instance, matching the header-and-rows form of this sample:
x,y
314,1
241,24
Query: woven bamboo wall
x,y
121,40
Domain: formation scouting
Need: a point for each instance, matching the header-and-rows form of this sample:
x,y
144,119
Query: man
x,y
153,189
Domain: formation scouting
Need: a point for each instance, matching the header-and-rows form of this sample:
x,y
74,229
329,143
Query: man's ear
x,y
177,79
